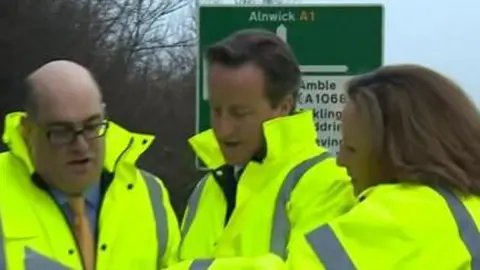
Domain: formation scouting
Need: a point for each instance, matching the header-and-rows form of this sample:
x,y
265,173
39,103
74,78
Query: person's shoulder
x,y
202,182
325,171
146,173
325,178
150,177
415,207
400,193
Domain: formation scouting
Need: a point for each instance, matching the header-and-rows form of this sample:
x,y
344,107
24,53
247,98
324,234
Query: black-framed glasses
x,y
68,135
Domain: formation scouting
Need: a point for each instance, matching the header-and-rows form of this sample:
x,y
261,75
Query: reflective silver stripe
x,y
281,223
333,256
329,250
466,225
201,264
192,206
34,261
3,255
160,213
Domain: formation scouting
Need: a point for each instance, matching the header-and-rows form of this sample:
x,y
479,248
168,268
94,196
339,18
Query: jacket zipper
x,y
102,196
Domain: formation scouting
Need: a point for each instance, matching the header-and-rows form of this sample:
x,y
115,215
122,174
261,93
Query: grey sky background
x,y
441,34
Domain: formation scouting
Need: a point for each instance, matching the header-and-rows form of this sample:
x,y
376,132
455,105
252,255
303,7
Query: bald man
x,y
71,196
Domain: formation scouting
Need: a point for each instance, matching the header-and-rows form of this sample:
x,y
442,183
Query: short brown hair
x,y
268,52
425,128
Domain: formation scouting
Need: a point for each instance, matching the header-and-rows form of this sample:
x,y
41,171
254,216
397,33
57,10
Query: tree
x,y
141,51
250,2
133,48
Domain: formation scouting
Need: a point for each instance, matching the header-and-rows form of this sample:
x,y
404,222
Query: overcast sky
x,y
441,34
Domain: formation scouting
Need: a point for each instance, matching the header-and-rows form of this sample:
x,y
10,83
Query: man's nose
x,y
80,143
224,126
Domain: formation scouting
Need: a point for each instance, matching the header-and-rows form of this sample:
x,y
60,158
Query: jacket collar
x,y
283,135
121,145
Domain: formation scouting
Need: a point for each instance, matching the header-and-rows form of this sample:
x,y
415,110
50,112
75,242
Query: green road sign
x,y
331,42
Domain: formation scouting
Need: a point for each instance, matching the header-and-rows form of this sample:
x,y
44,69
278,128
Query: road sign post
x,y
332,43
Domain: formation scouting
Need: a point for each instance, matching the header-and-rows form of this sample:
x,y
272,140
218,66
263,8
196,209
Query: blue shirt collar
x,y
92,196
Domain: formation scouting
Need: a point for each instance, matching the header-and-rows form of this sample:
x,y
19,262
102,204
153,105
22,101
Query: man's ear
x,y
286,106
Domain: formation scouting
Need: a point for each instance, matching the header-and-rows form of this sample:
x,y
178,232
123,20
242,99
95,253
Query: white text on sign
x,y
282,16
326,97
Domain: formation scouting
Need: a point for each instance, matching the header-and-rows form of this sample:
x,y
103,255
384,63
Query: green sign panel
x,y
331,42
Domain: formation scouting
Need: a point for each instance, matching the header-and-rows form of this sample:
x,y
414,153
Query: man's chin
x,y
81,181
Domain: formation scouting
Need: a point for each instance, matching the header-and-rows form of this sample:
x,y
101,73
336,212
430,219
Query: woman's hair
x,y
423,126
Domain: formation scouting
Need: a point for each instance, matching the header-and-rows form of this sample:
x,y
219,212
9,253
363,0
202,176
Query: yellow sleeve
x,y
371,236
196,192
188,219
171,253
302,255
351,243
265,262
324,193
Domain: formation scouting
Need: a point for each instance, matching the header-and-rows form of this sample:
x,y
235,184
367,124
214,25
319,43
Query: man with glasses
x,y
71,196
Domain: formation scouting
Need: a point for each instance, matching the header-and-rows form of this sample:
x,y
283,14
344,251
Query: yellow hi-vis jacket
x,y
399,227
277,198
137,227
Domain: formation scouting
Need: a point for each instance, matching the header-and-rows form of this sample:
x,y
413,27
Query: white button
x,y
219,173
